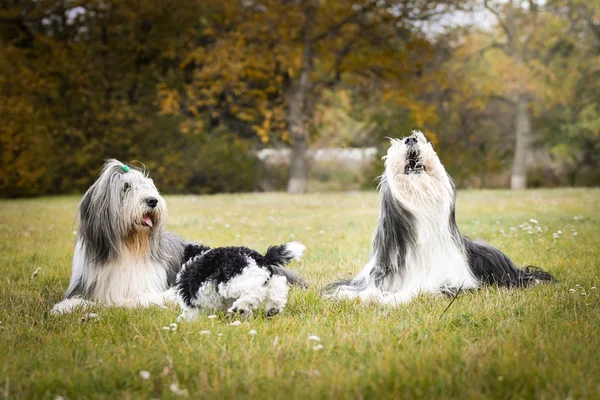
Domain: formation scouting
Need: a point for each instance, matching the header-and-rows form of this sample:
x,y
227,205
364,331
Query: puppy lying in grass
x,y
236,279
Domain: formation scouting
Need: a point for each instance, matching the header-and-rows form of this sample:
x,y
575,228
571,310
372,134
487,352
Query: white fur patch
x,y
69,305
127,280
296,249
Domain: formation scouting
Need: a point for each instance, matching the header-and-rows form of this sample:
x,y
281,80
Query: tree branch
x,y
336,27
500,20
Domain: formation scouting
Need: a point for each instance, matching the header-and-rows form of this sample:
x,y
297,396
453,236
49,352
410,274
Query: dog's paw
x,y
245,312
69,305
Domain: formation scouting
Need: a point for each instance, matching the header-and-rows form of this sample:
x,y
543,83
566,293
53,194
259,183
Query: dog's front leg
x,y
69,305
150,299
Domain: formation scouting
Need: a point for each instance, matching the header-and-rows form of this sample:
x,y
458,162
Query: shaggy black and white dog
x,y
236,279
417,247
123,256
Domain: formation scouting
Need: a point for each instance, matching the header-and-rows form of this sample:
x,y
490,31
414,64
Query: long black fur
x,y
490,266
393,236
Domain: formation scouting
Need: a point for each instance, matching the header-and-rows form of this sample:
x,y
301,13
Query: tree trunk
x,y
518,179
298,129
298,110
298,162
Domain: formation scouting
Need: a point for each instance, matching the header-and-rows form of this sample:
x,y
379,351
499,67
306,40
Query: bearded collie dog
x,y
417,247
236,279
123,256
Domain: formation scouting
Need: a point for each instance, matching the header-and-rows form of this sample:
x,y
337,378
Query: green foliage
x,y
222,163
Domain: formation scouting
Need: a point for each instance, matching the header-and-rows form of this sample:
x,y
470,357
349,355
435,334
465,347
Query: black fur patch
x,y
490,266
394,234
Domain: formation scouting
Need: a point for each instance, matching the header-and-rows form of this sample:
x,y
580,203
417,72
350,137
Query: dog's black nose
x,y
411,141
151,201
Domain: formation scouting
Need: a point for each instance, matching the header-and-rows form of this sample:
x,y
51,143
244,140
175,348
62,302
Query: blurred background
x,y
296,95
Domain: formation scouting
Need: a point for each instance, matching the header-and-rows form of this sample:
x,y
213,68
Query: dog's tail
x,y
531,275
278,256
489,265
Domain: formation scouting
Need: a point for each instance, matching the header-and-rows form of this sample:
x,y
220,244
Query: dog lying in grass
x,y
236,279
417,246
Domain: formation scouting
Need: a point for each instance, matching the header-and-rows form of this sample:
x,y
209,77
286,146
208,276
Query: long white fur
x,y
436,261
133,278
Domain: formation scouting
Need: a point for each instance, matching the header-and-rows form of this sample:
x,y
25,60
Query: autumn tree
x,y
265,64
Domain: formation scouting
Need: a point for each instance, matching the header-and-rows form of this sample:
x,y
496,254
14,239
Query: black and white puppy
x,y
417,247
236,279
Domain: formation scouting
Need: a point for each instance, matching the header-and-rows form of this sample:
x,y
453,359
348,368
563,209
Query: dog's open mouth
x,y
147,221
413,163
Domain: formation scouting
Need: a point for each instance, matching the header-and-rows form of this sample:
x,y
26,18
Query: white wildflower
x,y
212,316
572,290
145,375
175,389
321,232
166,328
592,288
205,332
236,323
92,315
315,338
533,221
574,233
253,332
317,347
35,272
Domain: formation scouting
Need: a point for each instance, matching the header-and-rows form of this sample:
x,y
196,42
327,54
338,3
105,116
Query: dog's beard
x,y
141,223
416,176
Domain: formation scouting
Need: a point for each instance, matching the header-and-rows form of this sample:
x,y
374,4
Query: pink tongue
x,y
148,221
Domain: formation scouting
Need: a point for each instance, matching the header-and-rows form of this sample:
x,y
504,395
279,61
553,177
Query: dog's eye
x,y
126,186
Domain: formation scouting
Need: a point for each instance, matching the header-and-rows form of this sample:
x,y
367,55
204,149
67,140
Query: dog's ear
x,y
192,250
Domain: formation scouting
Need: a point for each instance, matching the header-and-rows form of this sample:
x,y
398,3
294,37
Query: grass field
x,y
541,342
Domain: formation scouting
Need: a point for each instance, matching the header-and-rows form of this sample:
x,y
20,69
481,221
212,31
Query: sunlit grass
x,y
540,342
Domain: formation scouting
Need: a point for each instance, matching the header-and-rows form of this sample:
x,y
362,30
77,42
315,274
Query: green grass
x,y
541,342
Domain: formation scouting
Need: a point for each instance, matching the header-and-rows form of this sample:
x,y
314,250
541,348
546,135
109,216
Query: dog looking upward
x,y
417,247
